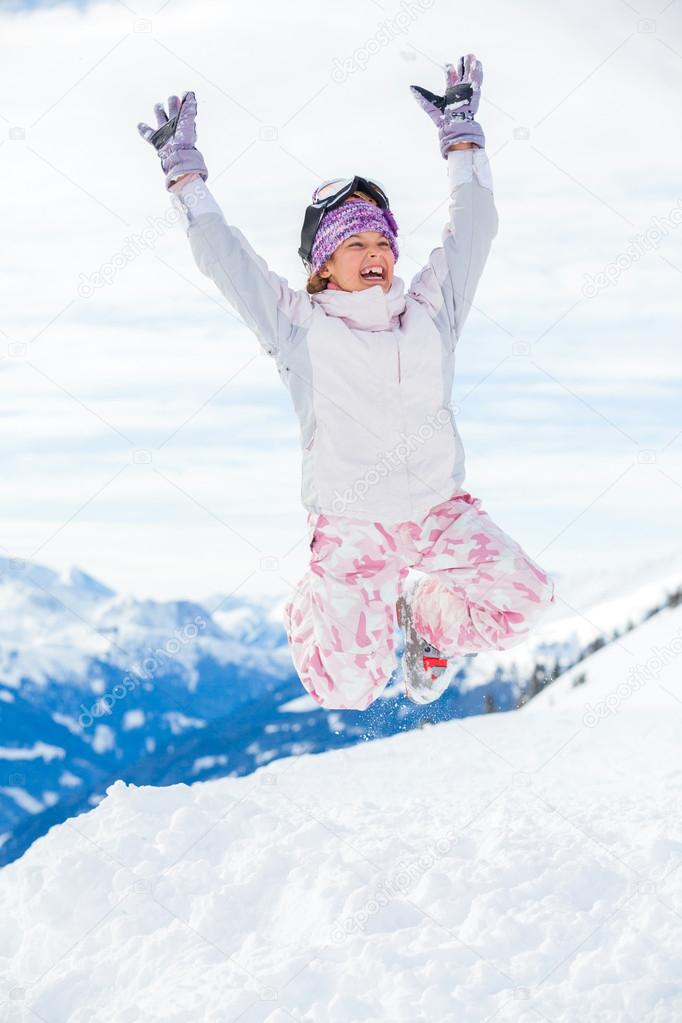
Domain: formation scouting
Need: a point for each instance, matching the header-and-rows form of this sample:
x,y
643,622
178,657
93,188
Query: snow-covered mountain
x,y
95,686
93,683
511,867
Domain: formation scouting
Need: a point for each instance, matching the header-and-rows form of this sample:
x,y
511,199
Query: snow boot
x,y
426,672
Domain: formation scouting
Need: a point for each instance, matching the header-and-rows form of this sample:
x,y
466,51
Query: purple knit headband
x,y
351,217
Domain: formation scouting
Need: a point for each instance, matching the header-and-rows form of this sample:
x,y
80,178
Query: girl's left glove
x,y
454,113
175,138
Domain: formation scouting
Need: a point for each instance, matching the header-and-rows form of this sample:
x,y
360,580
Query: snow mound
x,y
641,669
516,867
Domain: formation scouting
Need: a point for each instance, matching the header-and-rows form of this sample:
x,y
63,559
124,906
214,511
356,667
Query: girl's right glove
x,y
175,137
453,113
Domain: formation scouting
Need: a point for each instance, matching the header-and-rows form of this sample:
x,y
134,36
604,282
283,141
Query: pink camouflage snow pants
x,y
480,591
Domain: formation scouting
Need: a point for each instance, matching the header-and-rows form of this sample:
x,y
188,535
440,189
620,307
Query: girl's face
x,y
349,265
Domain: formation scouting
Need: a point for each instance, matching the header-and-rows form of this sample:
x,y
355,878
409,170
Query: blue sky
x,y
148,441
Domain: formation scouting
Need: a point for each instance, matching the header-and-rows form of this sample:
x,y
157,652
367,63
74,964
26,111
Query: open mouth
x,y
374,274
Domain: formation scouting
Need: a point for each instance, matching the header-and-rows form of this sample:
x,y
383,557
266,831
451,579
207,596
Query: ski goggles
x,y
327,197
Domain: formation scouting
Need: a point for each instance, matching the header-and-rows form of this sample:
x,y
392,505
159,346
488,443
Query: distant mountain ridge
x,y
96,686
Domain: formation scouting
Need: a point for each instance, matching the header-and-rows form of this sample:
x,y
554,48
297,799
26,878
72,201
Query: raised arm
x,y
265,302
450,278
263,299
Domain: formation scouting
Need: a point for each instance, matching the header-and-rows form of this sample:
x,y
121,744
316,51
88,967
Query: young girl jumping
x,y
369,367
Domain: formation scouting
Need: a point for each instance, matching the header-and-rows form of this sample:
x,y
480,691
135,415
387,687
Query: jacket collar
x,y
368,309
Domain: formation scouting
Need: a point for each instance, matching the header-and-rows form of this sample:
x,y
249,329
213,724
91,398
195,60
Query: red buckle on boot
x,y
434,662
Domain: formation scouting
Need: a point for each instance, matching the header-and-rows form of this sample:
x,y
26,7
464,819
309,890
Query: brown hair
x,y
315,284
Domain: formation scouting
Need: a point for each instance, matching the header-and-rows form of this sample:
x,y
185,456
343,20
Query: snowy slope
x,y
96,686
516,867
642,668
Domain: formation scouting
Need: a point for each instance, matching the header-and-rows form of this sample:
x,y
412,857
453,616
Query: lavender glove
x,y
175,137
453,113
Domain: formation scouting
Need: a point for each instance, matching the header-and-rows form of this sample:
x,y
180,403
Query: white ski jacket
x,y
370,373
